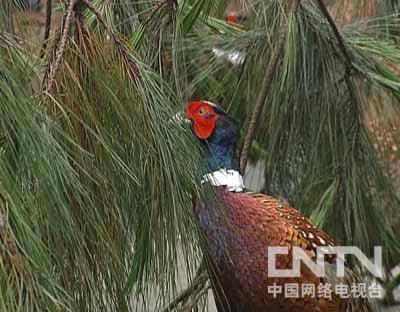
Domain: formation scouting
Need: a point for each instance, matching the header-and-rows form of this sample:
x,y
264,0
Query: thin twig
x,y
132,67
49,8
155,10
52,55
347,57
265,87
98,16
337,34
60,52
198,287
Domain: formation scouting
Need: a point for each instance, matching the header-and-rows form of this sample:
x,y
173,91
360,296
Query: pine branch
x,y
54,67
349,65
99,17
265,88
337,34
197,288
47,27
158,7
52,55
60,52
130,64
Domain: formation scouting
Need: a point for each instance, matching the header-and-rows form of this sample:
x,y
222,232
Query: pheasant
x,y
234,56
239,226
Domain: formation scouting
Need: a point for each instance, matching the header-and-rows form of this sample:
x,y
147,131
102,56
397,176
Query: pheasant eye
x,y
202,110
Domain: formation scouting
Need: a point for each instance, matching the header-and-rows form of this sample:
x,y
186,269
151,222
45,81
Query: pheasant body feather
x,y
239,227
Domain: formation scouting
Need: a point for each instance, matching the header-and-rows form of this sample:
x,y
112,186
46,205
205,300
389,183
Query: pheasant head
x,y
217,132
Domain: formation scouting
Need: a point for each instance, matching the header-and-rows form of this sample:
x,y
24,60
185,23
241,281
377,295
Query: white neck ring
x,y
230,178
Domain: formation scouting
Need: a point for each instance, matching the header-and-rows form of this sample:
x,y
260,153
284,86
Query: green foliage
x,y
98,179
35,172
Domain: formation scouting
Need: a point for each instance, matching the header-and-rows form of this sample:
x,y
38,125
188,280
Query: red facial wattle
x,y
203,117
233,19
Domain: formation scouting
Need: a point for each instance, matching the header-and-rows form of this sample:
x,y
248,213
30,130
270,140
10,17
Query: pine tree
x,y
96,182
